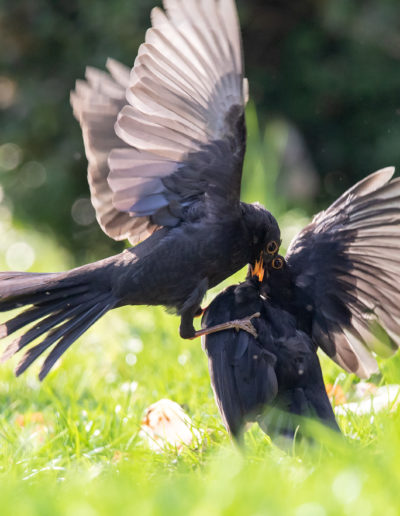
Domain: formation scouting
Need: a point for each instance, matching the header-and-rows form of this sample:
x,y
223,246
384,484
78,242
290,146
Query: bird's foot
x,y
238,324
246,325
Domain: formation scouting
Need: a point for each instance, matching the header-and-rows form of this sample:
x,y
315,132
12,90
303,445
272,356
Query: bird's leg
x,y
238,324
186,328
191,309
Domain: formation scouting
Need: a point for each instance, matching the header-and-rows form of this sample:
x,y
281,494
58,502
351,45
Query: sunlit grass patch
x,y
72,445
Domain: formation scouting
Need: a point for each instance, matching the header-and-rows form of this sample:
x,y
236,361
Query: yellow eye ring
x,y
272,247
277,263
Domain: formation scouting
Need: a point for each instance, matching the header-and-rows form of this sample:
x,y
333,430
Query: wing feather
x,y
96,103
347,262
170,131
186,102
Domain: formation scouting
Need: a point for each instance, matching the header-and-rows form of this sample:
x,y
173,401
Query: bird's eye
x,y
272,247
277,263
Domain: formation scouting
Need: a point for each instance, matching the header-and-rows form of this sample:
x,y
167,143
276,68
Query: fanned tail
x,y
59,307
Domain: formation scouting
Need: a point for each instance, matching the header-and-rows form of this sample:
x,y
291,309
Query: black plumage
x,y
344,272
274,379
337,289
165,143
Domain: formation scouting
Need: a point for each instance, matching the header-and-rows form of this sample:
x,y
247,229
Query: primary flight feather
x,y
337,289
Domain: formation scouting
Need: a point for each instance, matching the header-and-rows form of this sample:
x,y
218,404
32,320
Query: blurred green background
x,y
325,89
324,81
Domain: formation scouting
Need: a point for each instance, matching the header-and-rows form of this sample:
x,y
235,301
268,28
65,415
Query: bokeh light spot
x,y
20,256
10,156
129,386
135,345
131,359
347,486
33,174
183,358
83,212
8,92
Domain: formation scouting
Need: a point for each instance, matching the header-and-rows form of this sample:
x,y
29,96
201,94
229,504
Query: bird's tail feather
x,y
60,307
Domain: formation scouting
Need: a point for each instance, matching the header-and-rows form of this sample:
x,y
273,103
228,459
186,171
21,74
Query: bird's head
x,y
266,237
277,282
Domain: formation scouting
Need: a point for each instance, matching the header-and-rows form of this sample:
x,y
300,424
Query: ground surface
x,y
71,446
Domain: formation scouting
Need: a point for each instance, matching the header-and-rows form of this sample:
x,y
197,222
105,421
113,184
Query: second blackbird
x,y
336,289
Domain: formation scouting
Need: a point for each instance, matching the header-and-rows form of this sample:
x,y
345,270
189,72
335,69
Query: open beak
x,y
258,269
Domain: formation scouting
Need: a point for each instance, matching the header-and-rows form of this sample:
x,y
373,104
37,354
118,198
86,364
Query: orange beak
x,y
258,269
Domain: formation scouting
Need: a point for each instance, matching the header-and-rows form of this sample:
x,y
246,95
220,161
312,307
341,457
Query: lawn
x,y
71,445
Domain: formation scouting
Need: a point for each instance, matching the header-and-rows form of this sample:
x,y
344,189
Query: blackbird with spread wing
x,y
165,143
337,289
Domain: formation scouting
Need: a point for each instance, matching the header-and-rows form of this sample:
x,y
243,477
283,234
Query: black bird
x,y
274,379
165,143
337,289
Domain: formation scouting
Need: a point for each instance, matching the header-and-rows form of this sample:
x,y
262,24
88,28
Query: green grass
x,y
71,445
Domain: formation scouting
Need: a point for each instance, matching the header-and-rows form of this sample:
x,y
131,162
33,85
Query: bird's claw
x,y
246,325
238,324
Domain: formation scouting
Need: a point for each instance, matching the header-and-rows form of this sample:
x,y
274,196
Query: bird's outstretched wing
x,y
346,265
96,103
180,137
